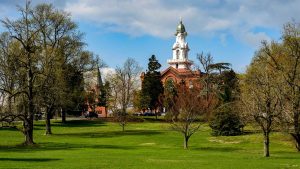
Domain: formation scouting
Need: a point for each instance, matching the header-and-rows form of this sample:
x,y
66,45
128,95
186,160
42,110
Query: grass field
x,y
96,144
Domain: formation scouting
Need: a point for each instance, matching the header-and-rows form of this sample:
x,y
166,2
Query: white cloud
x,y
255,39
133,17
158,18
215,24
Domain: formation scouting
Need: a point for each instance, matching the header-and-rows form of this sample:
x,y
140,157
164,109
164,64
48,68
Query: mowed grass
x,y
97,144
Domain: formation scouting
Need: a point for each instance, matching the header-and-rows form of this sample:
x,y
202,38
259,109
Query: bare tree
x,y
186,111
208,81
123,84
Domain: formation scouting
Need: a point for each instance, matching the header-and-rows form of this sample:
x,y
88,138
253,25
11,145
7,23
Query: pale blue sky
x,y
231,30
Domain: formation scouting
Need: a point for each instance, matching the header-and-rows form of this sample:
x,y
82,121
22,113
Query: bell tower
x,y
180,49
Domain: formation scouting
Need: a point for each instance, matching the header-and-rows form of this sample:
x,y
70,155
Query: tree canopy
x,y
39,50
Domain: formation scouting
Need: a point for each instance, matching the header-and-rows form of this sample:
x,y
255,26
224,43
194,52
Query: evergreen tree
x,y
102,91
229,87
152,86
153,64
226,120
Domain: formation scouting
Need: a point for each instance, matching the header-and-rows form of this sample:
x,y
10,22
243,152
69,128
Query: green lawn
x,y
96,144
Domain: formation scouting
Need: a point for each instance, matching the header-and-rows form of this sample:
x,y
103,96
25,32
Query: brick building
x,y
179,70
93,83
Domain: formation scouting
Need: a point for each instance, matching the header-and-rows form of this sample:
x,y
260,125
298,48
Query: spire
x,y
99,79
180,28
180,49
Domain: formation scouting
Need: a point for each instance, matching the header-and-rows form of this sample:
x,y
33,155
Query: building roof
x,y
181,73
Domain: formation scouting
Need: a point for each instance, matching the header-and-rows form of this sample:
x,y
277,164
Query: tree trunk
x,y
123,118
28,131
266,144
9,104
185,142
63,116
28,122
296,135
297,140
123,127
48,122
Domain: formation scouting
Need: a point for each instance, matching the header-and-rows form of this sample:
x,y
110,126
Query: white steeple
x,y
180,49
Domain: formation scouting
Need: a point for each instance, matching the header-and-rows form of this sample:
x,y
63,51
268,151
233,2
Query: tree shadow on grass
x,y
64,146
82,123
251,132
30,159
153,119
75,123
110,134
281,154
219,149
8,129
285,157
60,146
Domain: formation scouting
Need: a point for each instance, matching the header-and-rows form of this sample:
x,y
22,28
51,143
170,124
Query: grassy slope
x,y
91,144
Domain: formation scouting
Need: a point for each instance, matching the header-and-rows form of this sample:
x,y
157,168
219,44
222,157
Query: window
x,y
177,54
170,85
191,84
170,80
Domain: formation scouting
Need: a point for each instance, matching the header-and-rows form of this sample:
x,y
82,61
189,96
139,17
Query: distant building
x,y
179,70
92,84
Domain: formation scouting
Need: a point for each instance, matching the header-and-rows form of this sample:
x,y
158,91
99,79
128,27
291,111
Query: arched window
x,y
177,54
170,80
170,85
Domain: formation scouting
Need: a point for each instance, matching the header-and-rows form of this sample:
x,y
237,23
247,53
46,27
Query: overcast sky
x,y
231,30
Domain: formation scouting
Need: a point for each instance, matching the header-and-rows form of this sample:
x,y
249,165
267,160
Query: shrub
x,y
226,123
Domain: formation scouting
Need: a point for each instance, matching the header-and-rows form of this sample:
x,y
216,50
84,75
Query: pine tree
x,y
152,86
